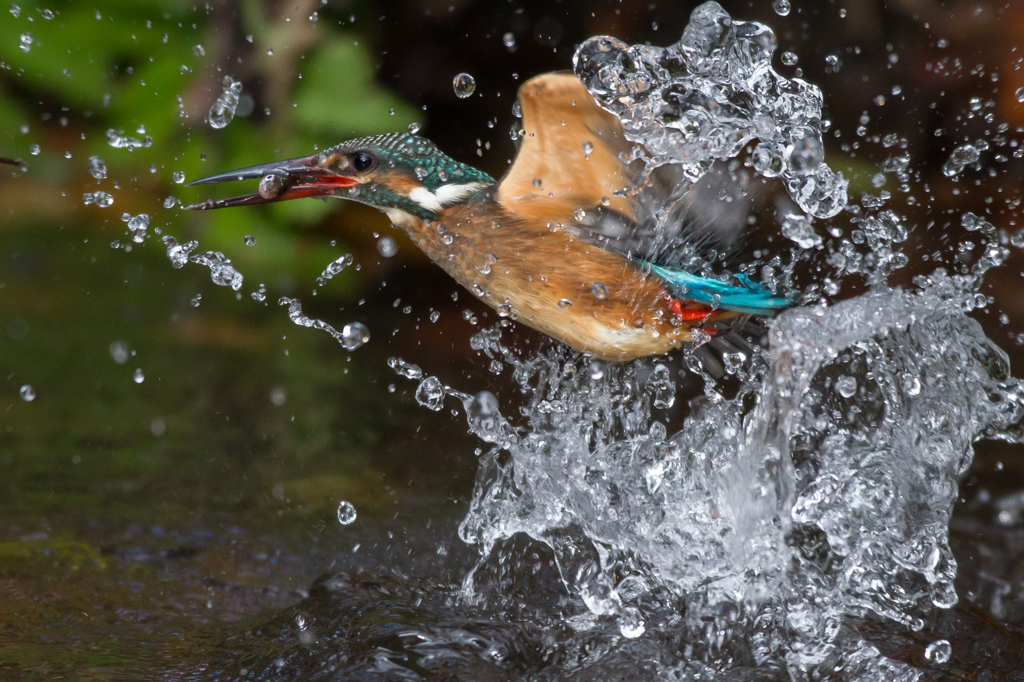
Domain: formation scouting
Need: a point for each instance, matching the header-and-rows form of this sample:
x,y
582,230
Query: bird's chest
x,y
503,260
542,275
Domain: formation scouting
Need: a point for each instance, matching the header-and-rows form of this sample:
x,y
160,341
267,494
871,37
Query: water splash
x,y
137,226
101,199
709,95
803,500
352,336
178,253
222,272
334,267
778,517
118,140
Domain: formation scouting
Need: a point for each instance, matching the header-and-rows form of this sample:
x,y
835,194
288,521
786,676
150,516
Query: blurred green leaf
x,y
337,94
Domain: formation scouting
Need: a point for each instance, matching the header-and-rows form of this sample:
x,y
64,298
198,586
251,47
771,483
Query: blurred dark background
x,y
208,490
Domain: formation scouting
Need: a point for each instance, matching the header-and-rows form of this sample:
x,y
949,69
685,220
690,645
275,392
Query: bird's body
x,y
591,299
534,246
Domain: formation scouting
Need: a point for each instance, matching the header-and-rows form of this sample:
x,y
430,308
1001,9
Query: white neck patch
x,y
450,194
446,195
425,198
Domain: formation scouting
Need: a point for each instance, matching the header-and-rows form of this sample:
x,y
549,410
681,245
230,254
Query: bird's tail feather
x,y
749,297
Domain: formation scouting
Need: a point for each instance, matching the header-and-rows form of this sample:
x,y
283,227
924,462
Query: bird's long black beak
x,y
279,181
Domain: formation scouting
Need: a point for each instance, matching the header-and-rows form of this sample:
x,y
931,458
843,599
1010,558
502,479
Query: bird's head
x,y
401,174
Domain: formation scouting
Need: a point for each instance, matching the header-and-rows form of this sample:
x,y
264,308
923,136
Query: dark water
x,y
142,521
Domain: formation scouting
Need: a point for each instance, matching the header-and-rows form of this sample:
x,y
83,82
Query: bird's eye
x,y
362,162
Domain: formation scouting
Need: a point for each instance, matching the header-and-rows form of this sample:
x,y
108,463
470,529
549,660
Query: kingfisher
x,y
555,243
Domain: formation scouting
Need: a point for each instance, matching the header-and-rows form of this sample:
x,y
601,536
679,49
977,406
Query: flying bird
x,y
558,242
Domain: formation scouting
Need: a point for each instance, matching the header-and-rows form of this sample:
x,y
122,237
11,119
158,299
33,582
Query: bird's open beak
x,y
279,181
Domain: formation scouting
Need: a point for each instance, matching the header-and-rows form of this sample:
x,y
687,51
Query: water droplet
x,y
961,156
15,10
564,303
801,230
579,214
938,651
631,623
354,335
119,352
138,376
588,148
430,394
260,294
790,58
34,149
387,247
846,386
278,396
661,387
171,202
346,513
435,316
599,290
196,300
101,199
250,240
223,110
334,268
120,141
489,261
911,384
27,393
97,168
484,417
1019,94
178,177
25,43
198,51
464,85
414,128
222,272
137,226
781,7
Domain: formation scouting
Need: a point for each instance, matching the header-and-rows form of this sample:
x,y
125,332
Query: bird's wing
x,y
574,156
569,154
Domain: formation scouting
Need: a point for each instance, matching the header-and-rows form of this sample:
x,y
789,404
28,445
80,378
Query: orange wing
x,y
569,157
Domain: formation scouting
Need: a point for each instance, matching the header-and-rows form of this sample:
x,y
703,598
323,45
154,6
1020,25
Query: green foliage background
x,y
156,66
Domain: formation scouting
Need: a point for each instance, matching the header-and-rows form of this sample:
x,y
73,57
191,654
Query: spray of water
x,y
819,492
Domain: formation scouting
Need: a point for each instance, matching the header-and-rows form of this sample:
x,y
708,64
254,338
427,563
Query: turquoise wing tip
x,y
749,298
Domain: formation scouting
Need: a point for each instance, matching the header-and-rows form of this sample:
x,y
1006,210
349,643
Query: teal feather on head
x,y
416,155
